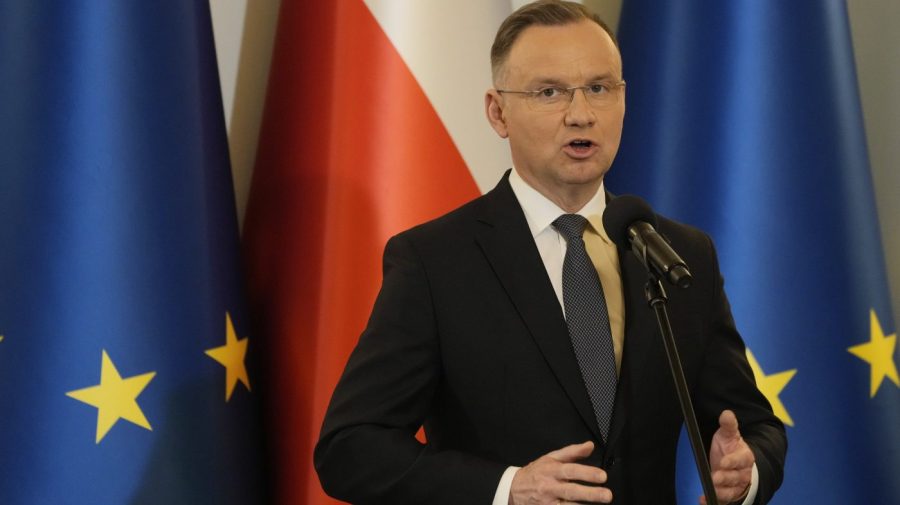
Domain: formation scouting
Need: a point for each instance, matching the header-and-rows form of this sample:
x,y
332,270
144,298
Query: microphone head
x,y
621,212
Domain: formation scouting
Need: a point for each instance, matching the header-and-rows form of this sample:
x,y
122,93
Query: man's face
x,y
558,152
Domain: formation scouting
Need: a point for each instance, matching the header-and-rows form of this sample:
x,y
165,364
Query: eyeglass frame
x,y
570,91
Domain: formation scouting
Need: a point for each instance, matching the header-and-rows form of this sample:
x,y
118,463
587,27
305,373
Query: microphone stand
x,y
656,298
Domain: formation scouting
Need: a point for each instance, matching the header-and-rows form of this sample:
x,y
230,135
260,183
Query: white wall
x,y
876,43
245,31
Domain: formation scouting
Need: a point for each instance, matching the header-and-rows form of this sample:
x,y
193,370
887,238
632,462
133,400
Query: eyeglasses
x,y
557,98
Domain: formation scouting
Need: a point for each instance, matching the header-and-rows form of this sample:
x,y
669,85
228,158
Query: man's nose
x,y
580,111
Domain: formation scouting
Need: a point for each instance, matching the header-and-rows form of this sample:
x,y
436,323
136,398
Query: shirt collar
x,y
540,212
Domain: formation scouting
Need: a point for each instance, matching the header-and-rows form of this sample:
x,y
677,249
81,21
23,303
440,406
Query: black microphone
x,y
631,223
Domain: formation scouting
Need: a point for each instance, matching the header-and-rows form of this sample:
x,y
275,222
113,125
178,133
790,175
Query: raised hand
x,y
730,460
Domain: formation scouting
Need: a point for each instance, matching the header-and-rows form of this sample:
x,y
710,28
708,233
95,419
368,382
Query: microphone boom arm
x,y
656,299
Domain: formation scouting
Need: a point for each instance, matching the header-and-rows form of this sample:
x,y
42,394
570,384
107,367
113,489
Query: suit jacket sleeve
x,y
367,451
727,382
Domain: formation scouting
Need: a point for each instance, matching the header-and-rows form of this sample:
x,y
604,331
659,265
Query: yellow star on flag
x,y
231,356
115,397
879,353
771,386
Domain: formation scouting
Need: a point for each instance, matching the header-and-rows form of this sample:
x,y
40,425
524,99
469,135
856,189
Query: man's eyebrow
x,y
554,81
604,77
545,81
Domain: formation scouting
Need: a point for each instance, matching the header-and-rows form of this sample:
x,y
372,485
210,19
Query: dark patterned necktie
x,y
588,320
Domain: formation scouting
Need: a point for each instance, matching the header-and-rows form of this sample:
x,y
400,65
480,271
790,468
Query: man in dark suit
x,y
478,332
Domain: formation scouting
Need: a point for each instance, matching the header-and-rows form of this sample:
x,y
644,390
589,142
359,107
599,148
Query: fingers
x,y
740,459
730,485
731,460
573,452
583,473
557,478
577,493
728,424
540,483
730,494
731,478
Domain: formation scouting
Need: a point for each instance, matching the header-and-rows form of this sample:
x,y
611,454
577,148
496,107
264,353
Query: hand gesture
x,y
730,460
556,479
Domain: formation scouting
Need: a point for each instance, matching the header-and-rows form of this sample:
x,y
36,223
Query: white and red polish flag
x,y
374,122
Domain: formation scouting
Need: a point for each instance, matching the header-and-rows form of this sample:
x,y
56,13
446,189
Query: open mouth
x,y
580,147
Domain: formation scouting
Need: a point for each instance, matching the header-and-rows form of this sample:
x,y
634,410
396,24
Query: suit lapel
x,y
509,247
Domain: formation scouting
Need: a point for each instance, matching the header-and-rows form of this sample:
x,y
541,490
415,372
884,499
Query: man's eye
x,y
598,89
551,92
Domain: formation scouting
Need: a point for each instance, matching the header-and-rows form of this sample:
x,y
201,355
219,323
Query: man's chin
x,y
583,174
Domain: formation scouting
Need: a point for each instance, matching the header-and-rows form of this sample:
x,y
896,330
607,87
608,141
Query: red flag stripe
x,y
350,152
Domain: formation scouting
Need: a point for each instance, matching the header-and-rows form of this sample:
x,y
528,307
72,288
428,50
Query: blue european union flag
x,y
123,335
744,119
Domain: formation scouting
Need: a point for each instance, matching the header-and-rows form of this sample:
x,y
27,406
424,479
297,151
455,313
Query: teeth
x,y
581,143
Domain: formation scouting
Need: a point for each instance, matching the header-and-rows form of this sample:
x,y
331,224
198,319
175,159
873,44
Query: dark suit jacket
x,y
468,337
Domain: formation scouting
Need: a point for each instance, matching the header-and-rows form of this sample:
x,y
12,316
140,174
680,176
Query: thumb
x,y
573,452
728,425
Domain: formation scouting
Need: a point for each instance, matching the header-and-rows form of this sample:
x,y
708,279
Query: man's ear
x,y
493,107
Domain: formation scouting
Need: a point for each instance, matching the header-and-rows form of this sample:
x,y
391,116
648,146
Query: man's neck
x,y
574,201
571,198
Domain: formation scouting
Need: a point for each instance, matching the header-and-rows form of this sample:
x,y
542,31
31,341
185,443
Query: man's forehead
x,y
567,71
564,52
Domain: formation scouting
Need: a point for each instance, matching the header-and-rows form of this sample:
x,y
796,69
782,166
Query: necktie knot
x,y
570,226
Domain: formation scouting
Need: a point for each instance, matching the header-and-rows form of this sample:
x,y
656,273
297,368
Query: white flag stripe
x,y
447,45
